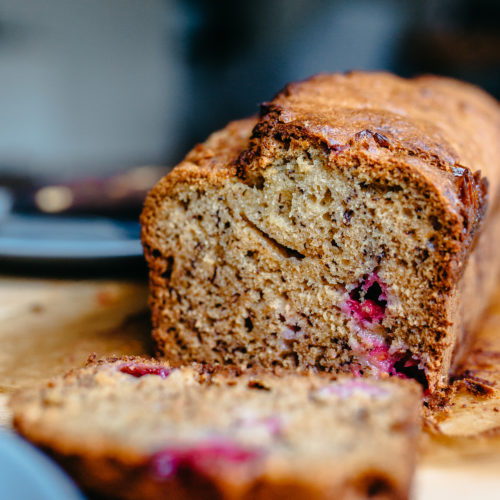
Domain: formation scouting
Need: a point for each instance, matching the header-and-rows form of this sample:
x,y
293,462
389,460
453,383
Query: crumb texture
x,y
157,431
341,231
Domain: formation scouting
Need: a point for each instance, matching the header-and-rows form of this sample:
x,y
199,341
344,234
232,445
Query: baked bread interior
x,y
349,228
139,429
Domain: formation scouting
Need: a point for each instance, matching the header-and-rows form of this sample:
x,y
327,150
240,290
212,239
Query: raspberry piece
x,y
137,370
373,351
406,366
367,311
367,302
207,458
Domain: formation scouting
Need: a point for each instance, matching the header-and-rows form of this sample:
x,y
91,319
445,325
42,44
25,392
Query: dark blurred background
x,y
89,89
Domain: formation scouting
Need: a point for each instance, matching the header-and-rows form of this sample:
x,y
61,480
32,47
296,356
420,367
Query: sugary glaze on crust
x,y
397,170
202,432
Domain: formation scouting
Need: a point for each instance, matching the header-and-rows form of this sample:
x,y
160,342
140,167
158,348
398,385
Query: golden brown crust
x,y
447,124
207,163
211,161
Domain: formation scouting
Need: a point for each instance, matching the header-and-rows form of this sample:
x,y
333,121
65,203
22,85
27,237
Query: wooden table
x,y
50,326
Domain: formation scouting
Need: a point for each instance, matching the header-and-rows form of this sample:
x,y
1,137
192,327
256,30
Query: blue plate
x,y
25,473
41,238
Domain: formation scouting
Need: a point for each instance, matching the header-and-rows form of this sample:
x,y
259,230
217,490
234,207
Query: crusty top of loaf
x,y
429,121
440,129
442,120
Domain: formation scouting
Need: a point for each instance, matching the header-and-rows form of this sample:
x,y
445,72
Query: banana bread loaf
x,y
352,227
138,429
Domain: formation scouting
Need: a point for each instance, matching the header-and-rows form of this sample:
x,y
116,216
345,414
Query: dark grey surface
x,y
42,238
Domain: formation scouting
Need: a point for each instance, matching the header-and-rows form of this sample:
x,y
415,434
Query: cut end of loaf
x,y
309,263
336,235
